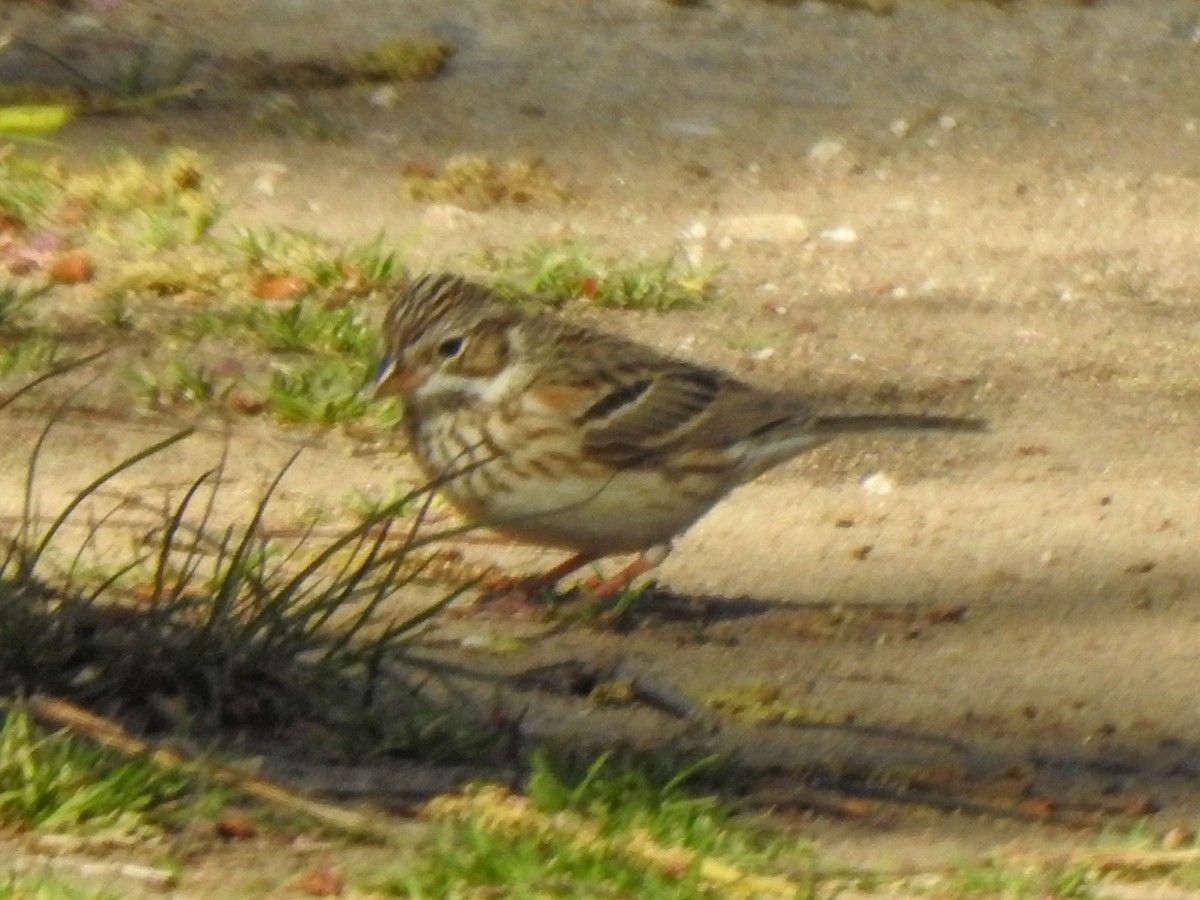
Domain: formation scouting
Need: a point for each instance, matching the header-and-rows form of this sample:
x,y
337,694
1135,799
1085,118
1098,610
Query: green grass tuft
x,y
617,830
328,394
559,273
204,624
46,887
56,782
1076,882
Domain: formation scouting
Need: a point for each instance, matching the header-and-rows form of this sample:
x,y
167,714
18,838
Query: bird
x,y
561,435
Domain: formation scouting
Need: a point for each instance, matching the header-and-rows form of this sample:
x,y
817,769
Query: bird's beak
x,y
394,379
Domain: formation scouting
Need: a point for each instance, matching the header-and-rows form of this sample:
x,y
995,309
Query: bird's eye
x,y
450,347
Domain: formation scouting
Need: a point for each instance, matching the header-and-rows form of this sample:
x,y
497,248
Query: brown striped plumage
x,y
566,436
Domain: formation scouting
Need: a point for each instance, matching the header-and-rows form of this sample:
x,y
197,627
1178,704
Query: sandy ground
x,y
993,211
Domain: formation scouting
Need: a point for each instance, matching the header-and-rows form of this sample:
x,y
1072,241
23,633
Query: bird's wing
x,y
636,407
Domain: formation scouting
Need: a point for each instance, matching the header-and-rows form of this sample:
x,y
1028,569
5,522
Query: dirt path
x,y
993,209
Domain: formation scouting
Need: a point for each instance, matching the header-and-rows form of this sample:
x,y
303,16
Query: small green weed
x,y
561,272
30,186
16,300
364,506
56,782
1071,883
26,354
326,394
167,204
404,58
618,831
181,383
47,887
340,272
1141,833
318,363
400,59
359,268
116,311
476,181
272,249
311,328
140,224
762,701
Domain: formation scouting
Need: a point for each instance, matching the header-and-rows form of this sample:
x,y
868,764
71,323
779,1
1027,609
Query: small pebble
x,y
825,151
842,234
384,97
877,484
73,267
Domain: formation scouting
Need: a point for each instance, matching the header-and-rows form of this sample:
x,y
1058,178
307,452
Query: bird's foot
x,y
516,598
520,597
599,589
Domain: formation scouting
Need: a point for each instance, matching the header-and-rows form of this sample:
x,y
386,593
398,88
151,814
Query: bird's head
x,y
450,342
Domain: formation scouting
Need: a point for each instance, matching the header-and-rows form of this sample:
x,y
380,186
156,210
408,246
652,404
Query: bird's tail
x,y
834,426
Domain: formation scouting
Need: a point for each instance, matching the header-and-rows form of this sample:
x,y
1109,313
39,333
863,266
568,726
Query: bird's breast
x,y
526,475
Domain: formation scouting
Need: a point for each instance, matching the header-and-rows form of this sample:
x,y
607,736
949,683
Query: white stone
x,y
877,484
842,234
384,97
826,151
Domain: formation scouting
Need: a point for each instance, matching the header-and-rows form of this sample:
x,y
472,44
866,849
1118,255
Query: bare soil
x,y
1004,225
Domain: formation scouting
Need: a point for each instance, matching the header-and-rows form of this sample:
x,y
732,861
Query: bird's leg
x,y
603,588
521,591
547,580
